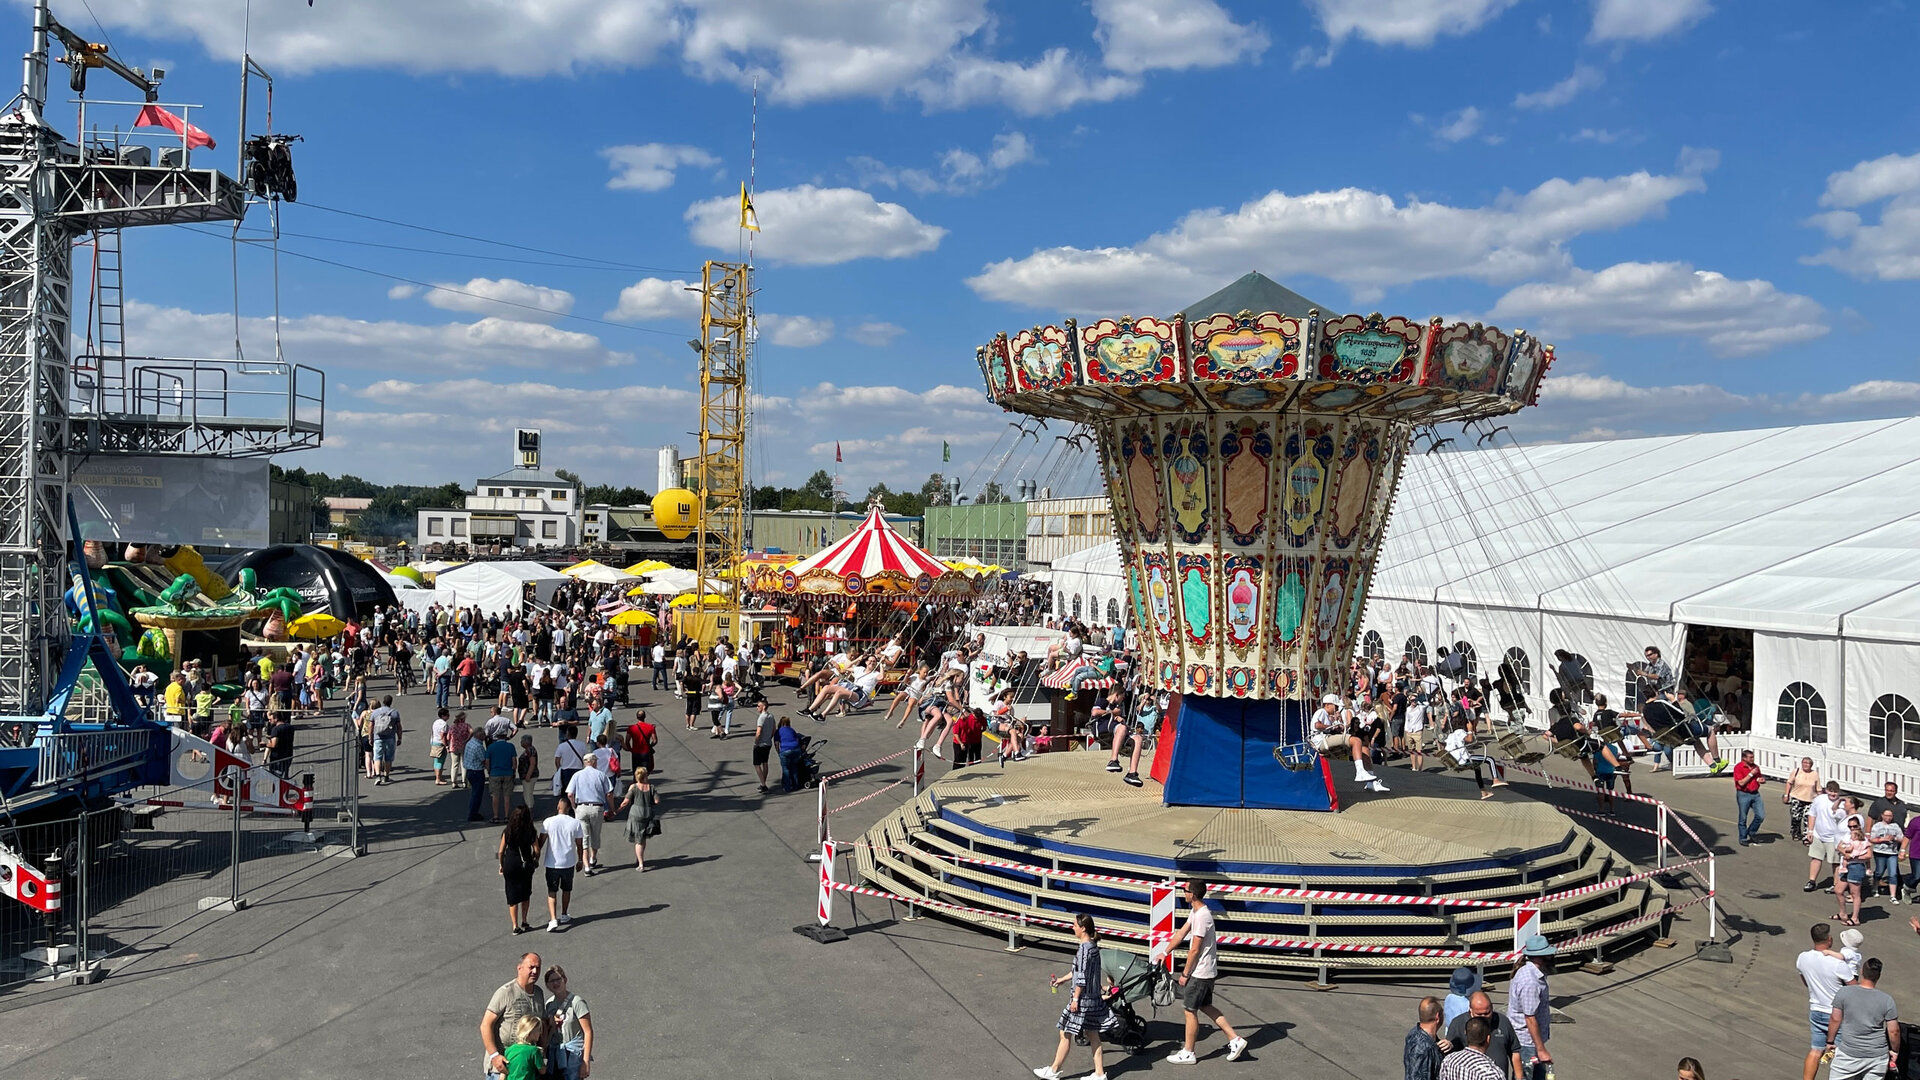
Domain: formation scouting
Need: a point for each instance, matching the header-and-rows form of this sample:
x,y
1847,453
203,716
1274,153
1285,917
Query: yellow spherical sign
x,y
676,513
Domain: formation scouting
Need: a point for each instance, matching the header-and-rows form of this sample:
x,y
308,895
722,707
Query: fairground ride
x,y
66,741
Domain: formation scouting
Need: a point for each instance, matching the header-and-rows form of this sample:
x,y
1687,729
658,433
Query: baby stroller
x,y
809,763
1135,979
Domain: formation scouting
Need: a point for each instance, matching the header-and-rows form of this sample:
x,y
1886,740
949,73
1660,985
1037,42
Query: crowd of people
x,y
565,669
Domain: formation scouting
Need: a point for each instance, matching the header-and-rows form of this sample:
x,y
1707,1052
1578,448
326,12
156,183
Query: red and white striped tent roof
x,y
874,558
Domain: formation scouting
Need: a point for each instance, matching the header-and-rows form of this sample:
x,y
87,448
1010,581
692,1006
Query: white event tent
x,y
1089,585
495,586
1784,558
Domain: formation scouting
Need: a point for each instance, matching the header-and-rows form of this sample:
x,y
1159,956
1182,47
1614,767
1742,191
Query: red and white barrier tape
x,y
862,768
1652,916
245,808
1551,779
1275,891
1257,941
870,795
1610,820
1312,894
1615,883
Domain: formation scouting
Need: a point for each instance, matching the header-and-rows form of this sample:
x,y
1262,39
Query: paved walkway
x,y
379,966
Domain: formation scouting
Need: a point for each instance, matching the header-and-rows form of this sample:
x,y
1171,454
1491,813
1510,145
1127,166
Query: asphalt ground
x,y
380,965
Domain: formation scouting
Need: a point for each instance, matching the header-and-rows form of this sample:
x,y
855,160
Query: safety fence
x,y
1670,861
157,858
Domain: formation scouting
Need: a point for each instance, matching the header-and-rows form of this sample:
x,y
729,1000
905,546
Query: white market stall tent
x,y
1089,585
496,586
1775,568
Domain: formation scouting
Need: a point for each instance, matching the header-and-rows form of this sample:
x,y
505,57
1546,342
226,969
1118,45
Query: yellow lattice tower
x,y
726,310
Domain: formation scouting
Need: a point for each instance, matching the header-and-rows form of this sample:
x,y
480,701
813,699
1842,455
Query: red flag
x,y
836,451
155,116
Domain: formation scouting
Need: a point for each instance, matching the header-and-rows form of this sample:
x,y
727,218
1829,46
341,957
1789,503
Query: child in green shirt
x,y
525,1061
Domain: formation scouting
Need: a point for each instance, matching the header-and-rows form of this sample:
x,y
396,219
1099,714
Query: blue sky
x,y
1713,209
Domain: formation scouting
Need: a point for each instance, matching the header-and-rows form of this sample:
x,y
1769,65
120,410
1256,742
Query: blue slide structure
x,y
58,766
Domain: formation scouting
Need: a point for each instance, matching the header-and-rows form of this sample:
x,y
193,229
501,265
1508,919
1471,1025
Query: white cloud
x,y
1644,20
876,335
814,226
650,166
1057,81
1603,136
1459,125
1414,23
938,52
1363,239
1585,77
331,342
657,298
1733,317
1888,250
504,297
1141,35
1578,406
959,172
795,331
507,37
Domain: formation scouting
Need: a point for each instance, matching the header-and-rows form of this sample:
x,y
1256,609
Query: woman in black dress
x,y
692,686
519,855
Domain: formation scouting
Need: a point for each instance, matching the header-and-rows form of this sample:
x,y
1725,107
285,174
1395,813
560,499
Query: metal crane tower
x,y
726,314
54,192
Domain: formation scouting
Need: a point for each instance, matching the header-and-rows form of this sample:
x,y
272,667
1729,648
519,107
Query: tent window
x,y
1586,678
1518,669
1416,651
1465,649
1372,647
1113,612
1893,726
1076,605
1802,714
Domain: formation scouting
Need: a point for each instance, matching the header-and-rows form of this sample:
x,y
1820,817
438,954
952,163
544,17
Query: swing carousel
x,y
1251,446
864,590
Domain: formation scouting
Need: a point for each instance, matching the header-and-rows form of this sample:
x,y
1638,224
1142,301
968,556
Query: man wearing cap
x,y
1529,1007
1329,726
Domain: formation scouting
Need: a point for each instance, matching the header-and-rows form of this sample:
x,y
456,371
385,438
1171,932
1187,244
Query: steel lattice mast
x,y
726,311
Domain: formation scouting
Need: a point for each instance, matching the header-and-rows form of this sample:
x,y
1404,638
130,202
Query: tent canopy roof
x,y
1804,529
1254,292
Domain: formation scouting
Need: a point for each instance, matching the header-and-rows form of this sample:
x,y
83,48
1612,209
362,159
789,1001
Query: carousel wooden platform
x,y
1431,836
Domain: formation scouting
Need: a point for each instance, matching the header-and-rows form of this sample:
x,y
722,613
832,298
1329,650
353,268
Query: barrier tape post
x,y
1160,925
821,838
1660,856
919,769
822,929
1526,923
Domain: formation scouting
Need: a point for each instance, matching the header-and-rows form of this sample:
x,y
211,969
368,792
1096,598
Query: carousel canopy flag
x,y
874,558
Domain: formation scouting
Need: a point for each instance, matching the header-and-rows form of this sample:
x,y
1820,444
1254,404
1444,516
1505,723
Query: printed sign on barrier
x,y
24,883
826,882
1160,924
1526,923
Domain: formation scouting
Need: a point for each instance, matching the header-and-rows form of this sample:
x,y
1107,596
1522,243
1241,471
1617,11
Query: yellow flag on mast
x,y
748,218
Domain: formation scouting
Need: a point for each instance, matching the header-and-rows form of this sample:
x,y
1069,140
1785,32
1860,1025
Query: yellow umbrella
x,y
648,566
634,618
686,600
316,625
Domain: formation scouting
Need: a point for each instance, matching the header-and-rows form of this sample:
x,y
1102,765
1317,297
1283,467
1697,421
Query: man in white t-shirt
x,y
1196,979
1824,972
659,656
563,842
1826,827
